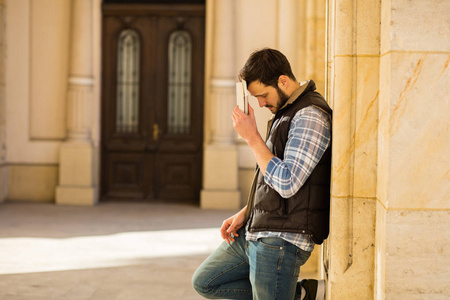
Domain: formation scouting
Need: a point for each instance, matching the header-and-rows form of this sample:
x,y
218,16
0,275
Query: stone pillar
x,y
220,176
3,167
315,42
413,207
76,182
352,90
287,29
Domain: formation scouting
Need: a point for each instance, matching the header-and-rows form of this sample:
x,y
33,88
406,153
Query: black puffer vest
x,y
309,209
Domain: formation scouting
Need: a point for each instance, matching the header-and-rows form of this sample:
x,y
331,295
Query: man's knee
x,y
199,284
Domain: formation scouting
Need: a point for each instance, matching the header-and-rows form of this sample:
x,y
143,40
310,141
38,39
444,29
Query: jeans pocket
x,y
271,242
302,257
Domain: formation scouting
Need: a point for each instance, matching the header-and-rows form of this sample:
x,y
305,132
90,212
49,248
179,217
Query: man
x,y
288,208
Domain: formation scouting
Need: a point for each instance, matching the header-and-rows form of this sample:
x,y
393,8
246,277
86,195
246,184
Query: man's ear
x,y
283,82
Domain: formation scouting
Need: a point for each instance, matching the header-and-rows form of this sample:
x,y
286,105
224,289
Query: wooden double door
x,y
152,102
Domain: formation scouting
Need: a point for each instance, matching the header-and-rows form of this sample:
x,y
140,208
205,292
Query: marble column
x,y
76,182
220,176
352,89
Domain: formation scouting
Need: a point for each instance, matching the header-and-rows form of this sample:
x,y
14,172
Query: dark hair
x,y
266,66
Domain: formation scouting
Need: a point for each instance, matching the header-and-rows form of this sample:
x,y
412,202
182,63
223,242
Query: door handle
x,y
155,132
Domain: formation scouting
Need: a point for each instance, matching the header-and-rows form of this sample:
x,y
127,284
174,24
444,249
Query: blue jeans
x,y
266,269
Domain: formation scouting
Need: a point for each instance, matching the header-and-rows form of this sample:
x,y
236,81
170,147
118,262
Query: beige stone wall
x,y
32,182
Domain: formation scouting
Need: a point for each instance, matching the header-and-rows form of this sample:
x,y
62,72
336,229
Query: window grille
x,y
179,88
128,82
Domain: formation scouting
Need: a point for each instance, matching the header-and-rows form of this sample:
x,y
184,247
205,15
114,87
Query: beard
x,y
283,98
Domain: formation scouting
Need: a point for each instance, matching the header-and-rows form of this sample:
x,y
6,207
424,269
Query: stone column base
x,y
220,182
216,199
76,175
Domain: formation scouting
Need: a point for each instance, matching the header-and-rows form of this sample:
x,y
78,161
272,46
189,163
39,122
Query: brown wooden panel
x,y
178,177
127,176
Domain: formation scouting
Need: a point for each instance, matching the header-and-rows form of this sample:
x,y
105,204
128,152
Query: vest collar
x,y
304,85
307,85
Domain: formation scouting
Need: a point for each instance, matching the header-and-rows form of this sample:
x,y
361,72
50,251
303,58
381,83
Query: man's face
x,y
268,96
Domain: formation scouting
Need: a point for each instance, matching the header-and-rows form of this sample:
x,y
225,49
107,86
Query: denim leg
x,y
224,274
274,268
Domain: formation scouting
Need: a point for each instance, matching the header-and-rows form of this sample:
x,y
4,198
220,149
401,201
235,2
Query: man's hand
x,y
230,226
245,124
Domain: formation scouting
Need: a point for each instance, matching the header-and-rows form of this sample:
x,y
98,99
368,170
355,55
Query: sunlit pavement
x,y
106,252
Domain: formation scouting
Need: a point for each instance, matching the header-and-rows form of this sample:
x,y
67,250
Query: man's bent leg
x,y
274,268
224,274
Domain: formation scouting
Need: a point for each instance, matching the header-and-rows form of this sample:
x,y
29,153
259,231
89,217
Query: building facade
x,y
383,66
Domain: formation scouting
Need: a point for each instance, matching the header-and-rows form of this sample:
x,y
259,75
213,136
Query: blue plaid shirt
x,y
309,137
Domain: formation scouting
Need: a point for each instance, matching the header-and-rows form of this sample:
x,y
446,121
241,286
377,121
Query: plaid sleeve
x,y
309,137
